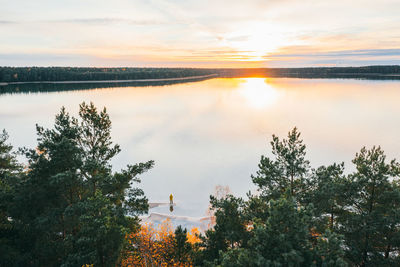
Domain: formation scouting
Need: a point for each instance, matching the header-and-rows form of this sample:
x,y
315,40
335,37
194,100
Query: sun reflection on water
x,y
258,93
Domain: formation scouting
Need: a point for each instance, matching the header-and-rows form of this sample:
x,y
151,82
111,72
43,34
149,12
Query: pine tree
x,y
75,209
229,231
285,173
327,187
183,248
9,175
286,239
371,224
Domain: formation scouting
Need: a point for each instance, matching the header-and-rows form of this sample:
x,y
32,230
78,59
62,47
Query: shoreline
x,y
114,81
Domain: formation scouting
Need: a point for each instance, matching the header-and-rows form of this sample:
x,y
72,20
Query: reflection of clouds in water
x,y
213,132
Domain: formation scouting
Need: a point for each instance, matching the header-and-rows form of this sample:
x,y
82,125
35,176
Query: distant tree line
x,y
33,74
367,72
66,207
41,74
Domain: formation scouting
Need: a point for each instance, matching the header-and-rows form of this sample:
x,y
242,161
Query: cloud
x,y
45,59
197,31
238,38
7,22
360,57
90,21
342,54
106,21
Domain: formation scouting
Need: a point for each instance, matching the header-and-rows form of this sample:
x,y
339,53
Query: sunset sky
x,y
172,33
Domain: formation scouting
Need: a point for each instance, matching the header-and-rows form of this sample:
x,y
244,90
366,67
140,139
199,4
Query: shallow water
x,y
213,132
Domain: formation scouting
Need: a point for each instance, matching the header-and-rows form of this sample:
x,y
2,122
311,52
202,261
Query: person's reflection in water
x,y
171,203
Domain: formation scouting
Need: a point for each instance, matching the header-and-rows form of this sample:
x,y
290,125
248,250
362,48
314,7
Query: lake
x,y
213,132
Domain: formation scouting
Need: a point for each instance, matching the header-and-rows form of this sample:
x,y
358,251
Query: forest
x,y
65,206
42,74
366,72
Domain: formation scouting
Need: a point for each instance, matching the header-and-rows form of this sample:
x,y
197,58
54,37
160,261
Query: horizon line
x,y
137,67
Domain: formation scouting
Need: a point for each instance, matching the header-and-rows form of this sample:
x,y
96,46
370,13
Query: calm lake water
x,y
213,132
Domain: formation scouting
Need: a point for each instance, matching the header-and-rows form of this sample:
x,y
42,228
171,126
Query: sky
x,y
189,33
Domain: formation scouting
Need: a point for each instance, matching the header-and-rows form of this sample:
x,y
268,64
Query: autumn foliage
x,y
193,236
159,246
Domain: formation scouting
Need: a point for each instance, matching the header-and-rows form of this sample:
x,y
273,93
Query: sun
x,y
255,42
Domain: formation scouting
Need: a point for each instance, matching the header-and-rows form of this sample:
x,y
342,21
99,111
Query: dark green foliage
x,y
29,74
371,223
8,162
213,243
305,217
8,171
287,172
327,194
328,250
71,208
229,231
365,72
68,208
230,220
183,249
284,237
101,233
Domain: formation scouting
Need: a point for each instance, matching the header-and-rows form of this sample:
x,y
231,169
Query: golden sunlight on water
x,y
258,93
